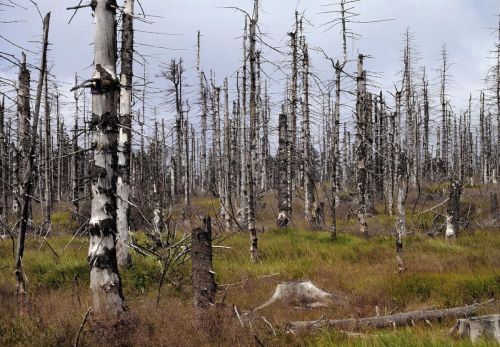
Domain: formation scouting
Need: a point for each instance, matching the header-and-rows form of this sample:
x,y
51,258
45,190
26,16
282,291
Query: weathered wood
x,y
453,210
125,135
28,151
282,164
478,327
398,319
494,214
105,283
204,287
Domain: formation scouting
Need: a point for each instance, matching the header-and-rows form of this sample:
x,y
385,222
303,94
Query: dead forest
x,y
278,205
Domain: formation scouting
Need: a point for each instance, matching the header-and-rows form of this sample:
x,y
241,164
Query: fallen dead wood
x,y
398,319
302,293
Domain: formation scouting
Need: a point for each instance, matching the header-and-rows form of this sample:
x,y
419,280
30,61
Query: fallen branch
x,y
398,319
81,328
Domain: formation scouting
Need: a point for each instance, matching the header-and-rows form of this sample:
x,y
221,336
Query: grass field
x,y
439,274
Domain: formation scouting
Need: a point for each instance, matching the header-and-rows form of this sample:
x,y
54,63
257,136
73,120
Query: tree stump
x,y
476,327
494,206
204,286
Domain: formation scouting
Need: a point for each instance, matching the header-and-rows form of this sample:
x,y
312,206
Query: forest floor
x,y
439,274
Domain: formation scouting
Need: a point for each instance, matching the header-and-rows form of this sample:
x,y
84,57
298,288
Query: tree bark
x,y
453,210
105,282
28,150
125,136
398,319
204,286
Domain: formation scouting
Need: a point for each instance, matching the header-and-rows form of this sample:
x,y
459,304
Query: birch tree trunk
x,y
105,282
125,135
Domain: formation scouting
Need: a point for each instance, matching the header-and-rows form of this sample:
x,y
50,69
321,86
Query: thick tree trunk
x,y
204,286
105,283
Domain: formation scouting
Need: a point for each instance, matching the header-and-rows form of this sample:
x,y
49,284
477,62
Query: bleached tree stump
x,y
476,327
303,293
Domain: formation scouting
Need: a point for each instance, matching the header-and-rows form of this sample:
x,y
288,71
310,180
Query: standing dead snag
x,y
125,136
204,287
402,178
282,171
361,146
28,149
453,210
253,136
105,281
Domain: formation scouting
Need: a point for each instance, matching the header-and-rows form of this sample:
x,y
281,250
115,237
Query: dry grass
x,y
439,274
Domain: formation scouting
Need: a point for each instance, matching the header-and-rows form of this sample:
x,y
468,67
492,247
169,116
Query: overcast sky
x,y
465,26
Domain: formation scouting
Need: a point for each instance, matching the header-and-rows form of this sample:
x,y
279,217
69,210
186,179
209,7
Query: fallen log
x,y
393,320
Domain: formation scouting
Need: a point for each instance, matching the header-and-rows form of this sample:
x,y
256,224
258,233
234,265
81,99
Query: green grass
x,y
439,274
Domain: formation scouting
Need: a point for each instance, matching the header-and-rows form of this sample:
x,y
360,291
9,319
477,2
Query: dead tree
x,y
75,157
309,196
125,135
361,146
253,134
402,182
283,199
494,214
453,210
3,171
203,121
105,283
47,159
28,150
204,286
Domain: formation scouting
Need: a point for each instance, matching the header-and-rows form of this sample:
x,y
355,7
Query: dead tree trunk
x,y
3,171
105,283
402,180
397,319
28,149
361,146
282,171
74,157
204,287
253,135
453,210
47,160
494,214
309,200
125,135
